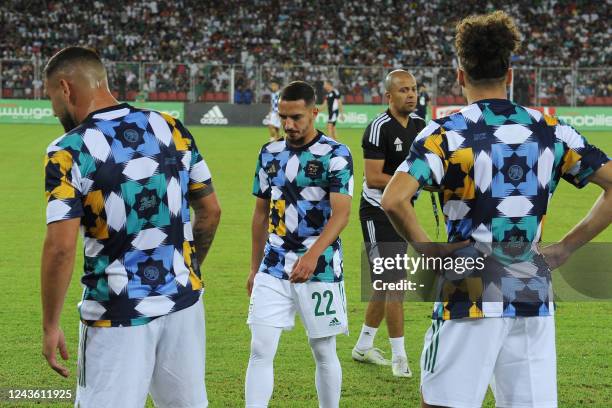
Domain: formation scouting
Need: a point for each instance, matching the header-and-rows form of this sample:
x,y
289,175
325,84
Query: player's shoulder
x,y
381,118
71,141
326,143
57,144
374,128
418,120
432,128
274,146
415,116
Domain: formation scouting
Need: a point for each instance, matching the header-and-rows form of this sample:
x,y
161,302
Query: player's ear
x,y
509,76
461,77
65,89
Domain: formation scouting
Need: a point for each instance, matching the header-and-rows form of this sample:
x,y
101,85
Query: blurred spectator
x,y
247,96
351,42
238,95
266,31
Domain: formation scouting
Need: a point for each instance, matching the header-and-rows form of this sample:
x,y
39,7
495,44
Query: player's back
x,y
127,174
498,163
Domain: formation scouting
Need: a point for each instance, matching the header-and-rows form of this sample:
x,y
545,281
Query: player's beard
x,y
298,138
295,138
67,121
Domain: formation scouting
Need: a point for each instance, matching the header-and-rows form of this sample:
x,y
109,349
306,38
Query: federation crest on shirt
x,y
314,169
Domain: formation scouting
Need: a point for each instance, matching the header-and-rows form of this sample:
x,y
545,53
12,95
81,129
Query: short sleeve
x,y
341,171
261,183
62,188
371,143
199,174
580,159
425,162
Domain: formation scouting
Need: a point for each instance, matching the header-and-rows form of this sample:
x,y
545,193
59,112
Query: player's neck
x,y
100,100
400,117
475,94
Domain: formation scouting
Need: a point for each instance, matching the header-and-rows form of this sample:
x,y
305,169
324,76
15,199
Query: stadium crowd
x,y
183,38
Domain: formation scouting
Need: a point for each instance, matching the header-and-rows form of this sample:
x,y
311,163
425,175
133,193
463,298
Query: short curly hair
x,y
484,45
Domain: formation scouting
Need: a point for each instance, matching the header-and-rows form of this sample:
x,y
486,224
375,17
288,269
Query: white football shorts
x,y
274,120
515,356
119,366
321,305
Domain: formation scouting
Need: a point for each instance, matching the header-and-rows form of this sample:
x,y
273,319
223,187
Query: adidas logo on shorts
x,y
214,117
334,322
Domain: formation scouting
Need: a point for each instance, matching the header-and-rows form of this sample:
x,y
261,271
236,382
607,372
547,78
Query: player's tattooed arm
x,y
207,215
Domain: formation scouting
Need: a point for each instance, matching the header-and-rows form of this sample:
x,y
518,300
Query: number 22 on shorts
x,y
327,295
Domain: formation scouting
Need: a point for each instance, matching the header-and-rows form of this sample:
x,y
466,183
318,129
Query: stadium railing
x,y
247,83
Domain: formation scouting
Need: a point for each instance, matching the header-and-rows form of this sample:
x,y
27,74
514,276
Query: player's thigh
x,y
178,378
526,369
458,360
272,302
322,308
116,365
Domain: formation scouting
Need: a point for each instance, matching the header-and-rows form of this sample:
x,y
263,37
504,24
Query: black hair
x,y
485,43
298,90
72,55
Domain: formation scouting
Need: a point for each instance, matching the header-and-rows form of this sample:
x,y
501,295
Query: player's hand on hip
x,y
304,268
250,282
555,255
53,339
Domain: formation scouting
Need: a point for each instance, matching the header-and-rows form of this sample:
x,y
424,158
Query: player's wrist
x,y
313,253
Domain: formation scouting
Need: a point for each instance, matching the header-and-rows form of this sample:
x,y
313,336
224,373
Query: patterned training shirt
x,y
127,174
498,164
298,183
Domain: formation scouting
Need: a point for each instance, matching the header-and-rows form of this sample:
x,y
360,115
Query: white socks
x,y
397,347
260,372
328,376
366,341
366,338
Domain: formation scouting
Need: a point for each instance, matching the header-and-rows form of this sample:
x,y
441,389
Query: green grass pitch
x,y
584,330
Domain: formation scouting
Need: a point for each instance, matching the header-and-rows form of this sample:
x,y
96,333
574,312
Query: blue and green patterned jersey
x,y
127,174
498,165
298,182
